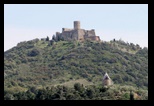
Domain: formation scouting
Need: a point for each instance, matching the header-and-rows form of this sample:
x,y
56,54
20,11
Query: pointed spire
x,y
106,76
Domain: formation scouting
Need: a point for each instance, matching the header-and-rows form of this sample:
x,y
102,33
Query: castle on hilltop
x,y
77,33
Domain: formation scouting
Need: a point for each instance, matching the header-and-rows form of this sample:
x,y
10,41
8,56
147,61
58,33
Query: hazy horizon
x,y
23,22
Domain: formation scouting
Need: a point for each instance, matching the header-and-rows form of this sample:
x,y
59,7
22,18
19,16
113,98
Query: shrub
x,y
34,52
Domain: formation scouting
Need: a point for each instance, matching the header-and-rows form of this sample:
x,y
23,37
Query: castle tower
x,y
76,25
106,80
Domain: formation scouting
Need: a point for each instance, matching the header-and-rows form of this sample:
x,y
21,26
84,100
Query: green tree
x,y
54,37
8,97
47,39
131,95
78,87
34,52
90,93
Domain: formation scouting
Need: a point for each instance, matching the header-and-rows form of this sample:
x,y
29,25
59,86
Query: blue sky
x,y
23,22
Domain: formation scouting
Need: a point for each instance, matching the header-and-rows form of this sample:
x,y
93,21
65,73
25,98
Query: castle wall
x,y
66,29
81,33
57,33
96,38
75,35
90,33
92,37
68,35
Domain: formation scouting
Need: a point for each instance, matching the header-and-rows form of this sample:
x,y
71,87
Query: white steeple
x,y
106,76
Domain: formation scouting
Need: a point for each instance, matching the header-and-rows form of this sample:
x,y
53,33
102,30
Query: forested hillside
x,y
43,64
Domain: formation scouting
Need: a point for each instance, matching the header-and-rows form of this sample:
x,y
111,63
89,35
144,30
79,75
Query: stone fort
x,y
77,33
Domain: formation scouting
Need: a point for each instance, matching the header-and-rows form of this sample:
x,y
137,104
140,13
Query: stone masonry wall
x,y
81,33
